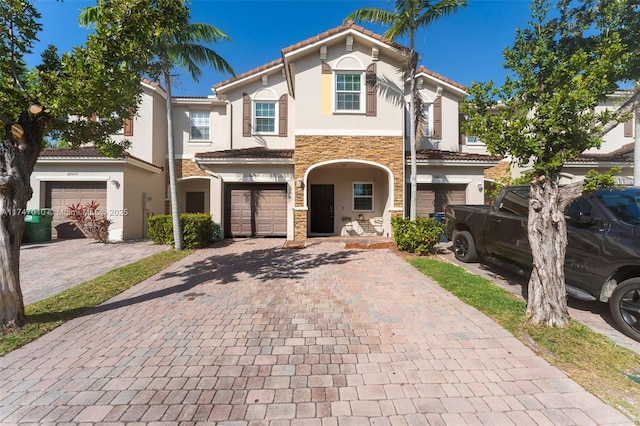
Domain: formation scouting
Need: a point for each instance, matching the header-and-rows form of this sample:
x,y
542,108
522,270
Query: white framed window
x,y
474,140
265,117
200,125
363,196
427,126
349,93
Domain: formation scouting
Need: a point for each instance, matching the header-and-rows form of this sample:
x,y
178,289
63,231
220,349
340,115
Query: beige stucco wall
x,y
149,140
275,87
315,93
342,176
143,197
450,140
218,131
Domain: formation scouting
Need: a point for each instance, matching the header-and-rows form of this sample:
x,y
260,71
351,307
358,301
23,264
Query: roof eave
x,y
242,161
316,44
225,87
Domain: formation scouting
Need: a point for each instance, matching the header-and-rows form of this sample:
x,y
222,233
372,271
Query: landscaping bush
x,y
419,236
90,220
198,230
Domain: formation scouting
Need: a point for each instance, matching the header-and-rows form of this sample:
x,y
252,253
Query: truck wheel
x,y
625,307
463,247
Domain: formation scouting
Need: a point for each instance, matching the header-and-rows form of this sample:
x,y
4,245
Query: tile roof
x,y
623,154
424,70
257,152
336,30
436,154
86,152
249,73
309,41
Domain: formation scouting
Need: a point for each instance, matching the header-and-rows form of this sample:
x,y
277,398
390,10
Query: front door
x,y
321,209
194,202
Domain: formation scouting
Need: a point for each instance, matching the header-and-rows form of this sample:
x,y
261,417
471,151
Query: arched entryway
x,y
348,198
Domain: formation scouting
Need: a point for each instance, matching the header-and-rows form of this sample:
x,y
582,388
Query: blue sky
x,y
464,47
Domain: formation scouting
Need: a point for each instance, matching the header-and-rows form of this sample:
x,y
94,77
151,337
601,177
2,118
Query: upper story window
x,y
265,117
200,125
363,196
349,91
427,123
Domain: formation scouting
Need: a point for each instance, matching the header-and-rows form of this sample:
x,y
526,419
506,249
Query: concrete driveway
x,y
595,315
249,333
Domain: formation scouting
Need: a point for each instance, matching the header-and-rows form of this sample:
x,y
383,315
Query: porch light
x,y
299,183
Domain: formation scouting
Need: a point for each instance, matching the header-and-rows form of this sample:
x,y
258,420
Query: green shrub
x,y
198,230
419,237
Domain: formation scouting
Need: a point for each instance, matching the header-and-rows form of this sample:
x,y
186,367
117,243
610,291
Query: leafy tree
x,y
407,17
177,46
545,114
98,79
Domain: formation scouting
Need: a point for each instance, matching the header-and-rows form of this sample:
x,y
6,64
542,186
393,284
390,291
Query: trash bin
x,y
439,216
37,226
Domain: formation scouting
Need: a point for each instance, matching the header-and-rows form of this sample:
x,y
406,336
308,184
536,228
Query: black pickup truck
x,y
603,252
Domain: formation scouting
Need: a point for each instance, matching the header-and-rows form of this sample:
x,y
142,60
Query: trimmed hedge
x,y
419,237
198,230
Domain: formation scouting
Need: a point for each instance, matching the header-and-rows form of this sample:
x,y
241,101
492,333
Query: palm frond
x,y
371,14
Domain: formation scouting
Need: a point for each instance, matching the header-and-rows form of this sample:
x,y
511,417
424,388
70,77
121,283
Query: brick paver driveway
x,y
250,333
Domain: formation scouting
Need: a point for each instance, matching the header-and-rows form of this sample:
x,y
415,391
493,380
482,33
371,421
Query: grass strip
x,y
603,368
47,314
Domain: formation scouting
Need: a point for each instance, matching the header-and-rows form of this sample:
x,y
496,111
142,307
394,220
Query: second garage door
x,y
256,210
433,197
59,195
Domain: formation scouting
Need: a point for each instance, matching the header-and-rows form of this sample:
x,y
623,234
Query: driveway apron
x,y
251,333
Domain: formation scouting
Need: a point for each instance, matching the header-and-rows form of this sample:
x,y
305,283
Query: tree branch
x,y
569,193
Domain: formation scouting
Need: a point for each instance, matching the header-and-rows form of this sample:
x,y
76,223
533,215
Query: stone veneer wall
x,y
184,168
384,150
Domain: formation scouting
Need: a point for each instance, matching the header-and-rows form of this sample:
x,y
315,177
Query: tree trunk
x,y
547,229
413,178
175,213
19,152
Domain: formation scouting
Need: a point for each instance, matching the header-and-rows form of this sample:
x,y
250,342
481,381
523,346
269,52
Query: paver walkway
x,y
48,268
252,334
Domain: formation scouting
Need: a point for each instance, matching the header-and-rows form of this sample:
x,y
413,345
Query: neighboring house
x,y
616,150
314,143
128,189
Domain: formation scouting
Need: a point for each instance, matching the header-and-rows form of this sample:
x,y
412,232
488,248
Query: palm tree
x,y
405,19
177,47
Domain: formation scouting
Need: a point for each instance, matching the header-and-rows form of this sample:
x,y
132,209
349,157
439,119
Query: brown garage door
x,y
256,210
433,197
59,195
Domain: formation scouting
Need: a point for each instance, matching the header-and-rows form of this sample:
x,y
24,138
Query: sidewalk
x,y
249,333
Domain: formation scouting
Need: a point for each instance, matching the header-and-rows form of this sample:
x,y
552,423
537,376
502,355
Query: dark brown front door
x,y
322,209
195,202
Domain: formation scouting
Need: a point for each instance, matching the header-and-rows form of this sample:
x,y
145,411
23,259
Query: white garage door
x,y
256,210
59,195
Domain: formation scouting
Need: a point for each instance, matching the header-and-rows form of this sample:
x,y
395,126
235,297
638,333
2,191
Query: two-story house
x,y
314,143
